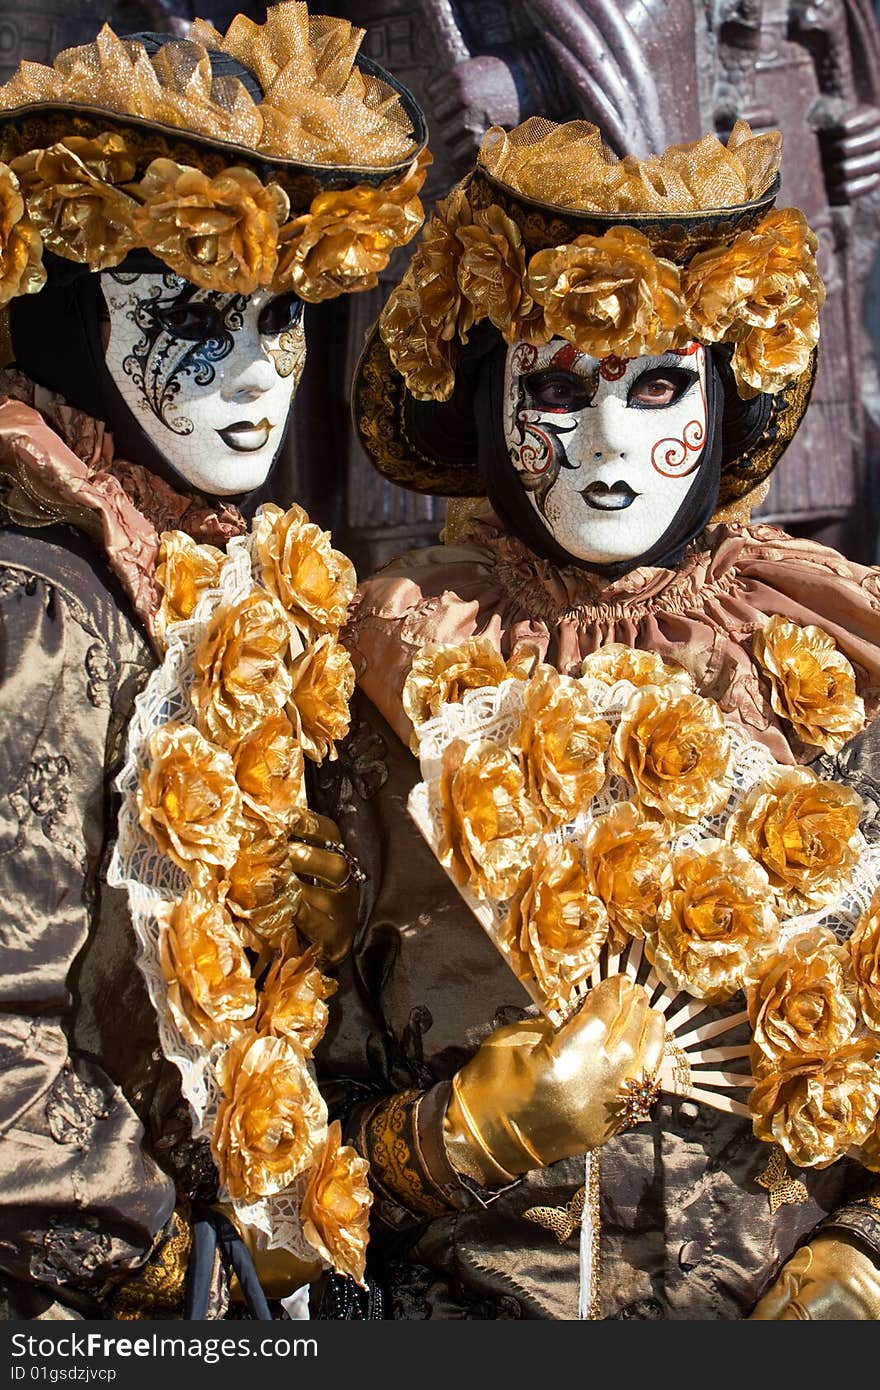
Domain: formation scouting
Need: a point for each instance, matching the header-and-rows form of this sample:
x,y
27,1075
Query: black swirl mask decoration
x,y
184,333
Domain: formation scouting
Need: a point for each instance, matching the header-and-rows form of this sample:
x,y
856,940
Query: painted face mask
x,y
209,377
607,451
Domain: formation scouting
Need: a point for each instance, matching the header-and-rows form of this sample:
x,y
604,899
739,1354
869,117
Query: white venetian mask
x,y
607,451
209,377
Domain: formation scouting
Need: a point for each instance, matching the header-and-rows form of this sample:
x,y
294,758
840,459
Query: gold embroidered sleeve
x,y
401,1137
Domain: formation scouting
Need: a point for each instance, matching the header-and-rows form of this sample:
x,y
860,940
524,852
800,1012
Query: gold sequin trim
x,y
6,355
593,1203
678,235
681,1067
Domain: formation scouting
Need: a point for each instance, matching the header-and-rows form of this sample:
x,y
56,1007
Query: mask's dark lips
x,y
244,436
604,498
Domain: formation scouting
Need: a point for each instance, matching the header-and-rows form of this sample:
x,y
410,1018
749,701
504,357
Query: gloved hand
x,y
831,1279
331,879
533,1093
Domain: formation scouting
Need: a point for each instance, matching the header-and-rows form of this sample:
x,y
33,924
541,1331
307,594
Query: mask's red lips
x,y
244,436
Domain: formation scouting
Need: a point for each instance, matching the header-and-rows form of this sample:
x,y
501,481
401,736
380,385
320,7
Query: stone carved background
x,y
648,72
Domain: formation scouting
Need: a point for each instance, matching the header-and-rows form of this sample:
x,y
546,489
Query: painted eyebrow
x,y
567,358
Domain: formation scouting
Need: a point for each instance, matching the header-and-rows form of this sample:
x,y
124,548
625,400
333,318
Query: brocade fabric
x,y
86,1101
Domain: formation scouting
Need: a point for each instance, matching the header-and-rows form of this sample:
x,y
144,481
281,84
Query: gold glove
x,y
829,1279
331,879
533,1094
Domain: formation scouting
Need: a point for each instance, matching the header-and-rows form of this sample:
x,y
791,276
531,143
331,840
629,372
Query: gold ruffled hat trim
x,y
309,188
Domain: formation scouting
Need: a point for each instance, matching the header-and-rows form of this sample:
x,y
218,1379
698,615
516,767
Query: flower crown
x,y
551,235
114,148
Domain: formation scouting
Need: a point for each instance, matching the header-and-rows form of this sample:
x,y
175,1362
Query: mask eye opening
x,y
680,380
283,312
553,389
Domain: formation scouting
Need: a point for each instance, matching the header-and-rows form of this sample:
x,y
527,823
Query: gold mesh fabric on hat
x,y
569,166
318,107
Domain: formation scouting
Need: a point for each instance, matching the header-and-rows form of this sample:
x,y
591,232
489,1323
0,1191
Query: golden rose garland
x,y
658,858
221,793
80,199
608,295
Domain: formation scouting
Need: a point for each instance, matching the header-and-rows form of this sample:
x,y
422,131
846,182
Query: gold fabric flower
x,y
488,822
435,268
424,359
766,359
492,276
73,200
240,667
314,582
864,948
626,856
618,662
716,921
221,233
609,294
262,888
555,923
869,1153
271,1120
562,742
342,243
764,277
801,1004
21,250
188,798
335,1209
268,765
673,748
184,572
292,998
812,685
427,314
440,675
804,833
817,1107
211,991
322,683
